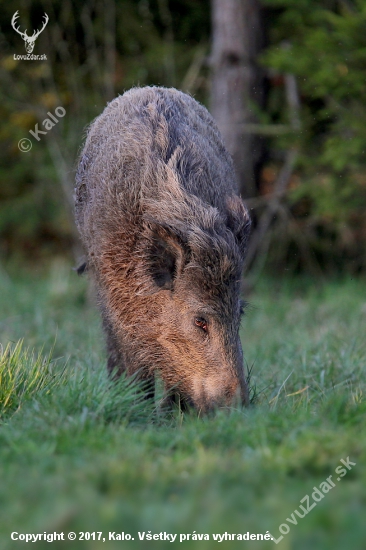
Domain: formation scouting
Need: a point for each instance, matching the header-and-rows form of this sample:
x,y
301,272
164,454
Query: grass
x,y
79,454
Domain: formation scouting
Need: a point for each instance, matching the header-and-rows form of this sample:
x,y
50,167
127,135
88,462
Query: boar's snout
x,y
211,392
222,389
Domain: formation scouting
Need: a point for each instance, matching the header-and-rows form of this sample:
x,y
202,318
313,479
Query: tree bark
x,y
237,84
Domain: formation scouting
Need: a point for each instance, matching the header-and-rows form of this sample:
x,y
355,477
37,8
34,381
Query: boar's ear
x,y
167,252
238,221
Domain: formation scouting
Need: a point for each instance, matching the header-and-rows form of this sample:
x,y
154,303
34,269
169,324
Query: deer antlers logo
x,y
29,40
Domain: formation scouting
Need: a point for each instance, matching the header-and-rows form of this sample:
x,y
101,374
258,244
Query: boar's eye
x,y
202,323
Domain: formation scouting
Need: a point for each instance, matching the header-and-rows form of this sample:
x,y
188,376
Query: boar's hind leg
x,y
174,400
149,387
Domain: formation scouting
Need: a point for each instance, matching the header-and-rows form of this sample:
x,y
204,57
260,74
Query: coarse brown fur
x,y
165,235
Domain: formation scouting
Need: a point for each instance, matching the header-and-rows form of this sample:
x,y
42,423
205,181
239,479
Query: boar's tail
x,y
81,269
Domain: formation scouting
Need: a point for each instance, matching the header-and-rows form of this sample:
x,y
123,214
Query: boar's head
x,y
193,265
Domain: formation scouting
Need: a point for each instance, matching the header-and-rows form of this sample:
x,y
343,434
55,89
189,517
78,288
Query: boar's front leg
x,y
116,363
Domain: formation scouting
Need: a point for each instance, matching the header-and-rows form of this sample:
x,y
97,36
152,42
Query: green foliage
x,y
324,45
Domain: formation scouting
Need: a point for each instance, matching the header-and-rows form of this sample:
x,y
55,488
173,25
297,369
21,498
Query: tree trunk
x,y
237,84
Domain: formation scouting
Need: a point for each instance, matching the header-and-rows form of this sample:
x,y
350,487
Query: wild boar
x,y
165,235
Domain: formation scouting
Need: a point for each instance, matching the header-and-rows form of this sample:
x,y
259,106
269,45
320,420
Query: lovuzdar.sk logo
x,y
29,41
